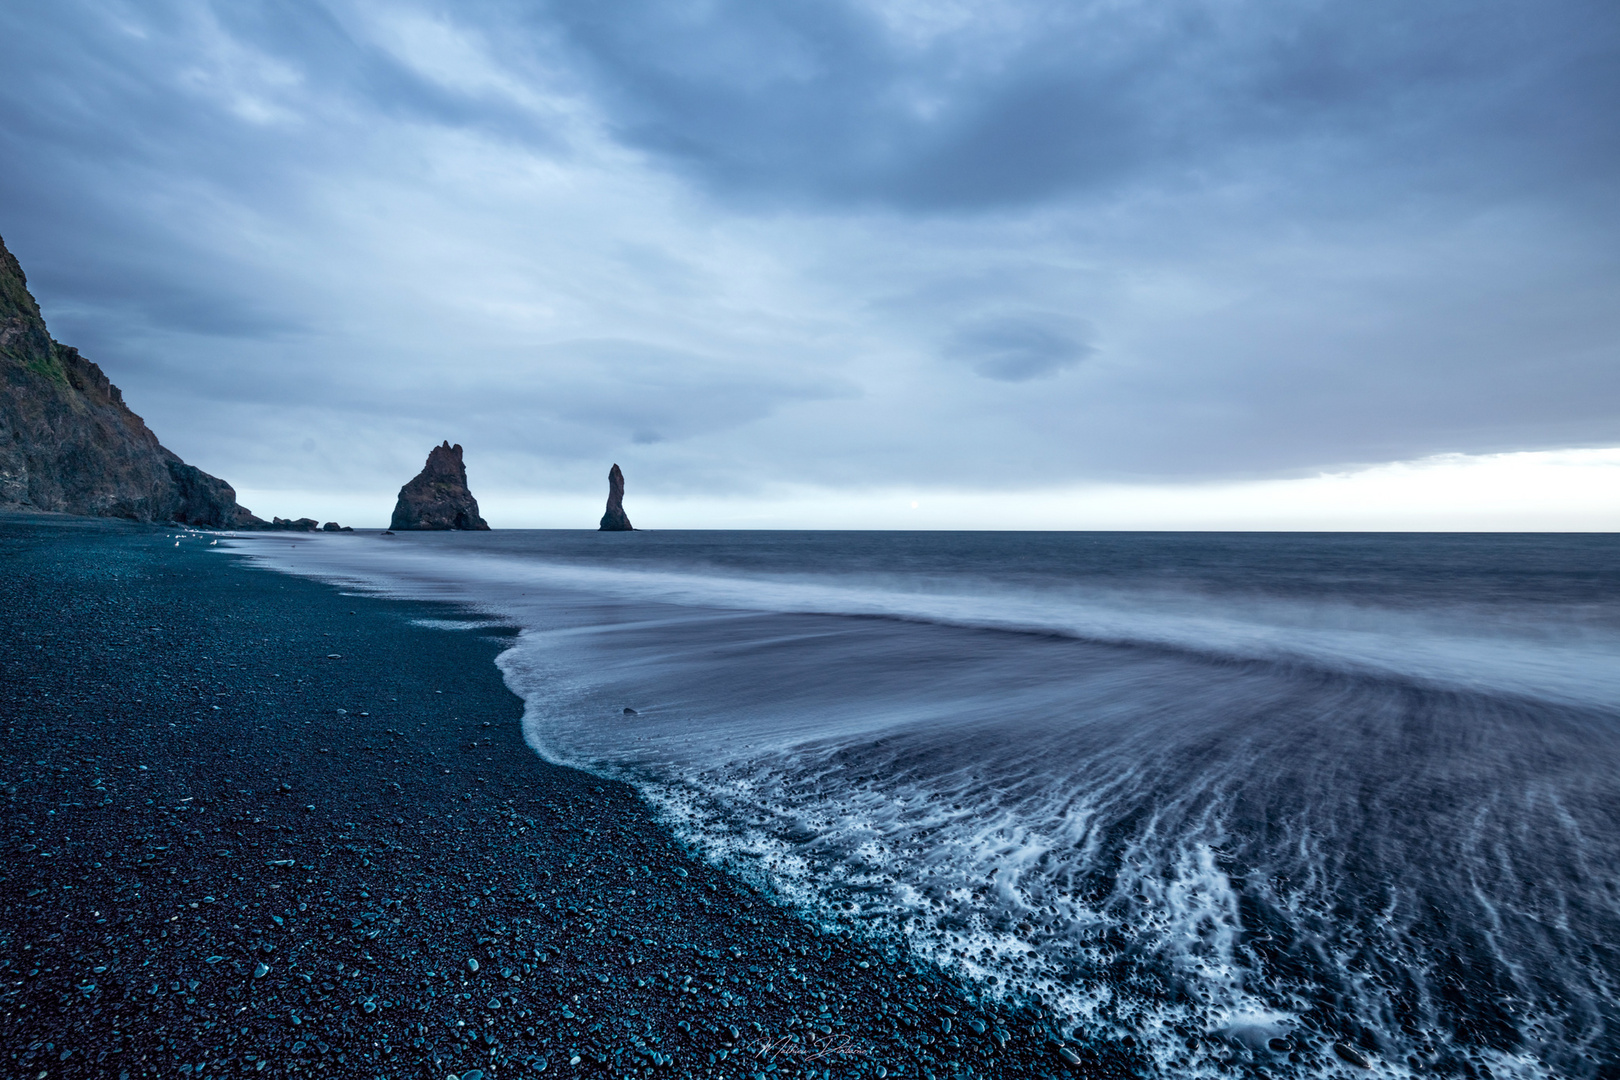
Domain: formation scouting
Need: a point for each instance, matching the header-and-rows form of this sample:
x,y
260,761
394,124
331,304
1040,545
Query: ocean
x,y
1228,796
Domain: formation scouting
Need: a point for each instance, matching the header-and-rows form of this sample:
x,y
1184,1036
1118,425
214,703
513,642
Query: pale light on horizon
x,y
1531,491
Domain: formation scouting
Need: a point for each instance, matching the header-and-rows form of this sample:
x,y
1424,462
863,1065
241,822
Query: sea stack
x,y
615,520
438,498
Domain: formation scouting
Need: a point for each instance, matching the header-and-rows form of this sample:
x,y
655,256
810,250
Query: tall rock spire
x,y
615,520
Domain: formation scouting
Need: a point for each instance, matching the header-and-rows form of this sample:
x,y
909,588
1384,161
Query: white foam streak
x,y
1054,817
1559,657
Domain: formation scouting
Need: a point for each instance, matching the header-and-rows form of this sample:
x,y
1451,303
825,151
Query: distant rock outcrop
x,y
615,520
438,498
69,444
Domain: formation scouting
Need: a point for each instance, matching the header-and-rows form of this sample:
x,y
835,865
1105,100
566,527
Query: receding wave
x,y
1563,658
1234,822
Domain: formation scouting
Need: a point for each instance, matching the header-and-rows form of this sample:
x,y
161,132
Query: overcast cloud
x,y
835,246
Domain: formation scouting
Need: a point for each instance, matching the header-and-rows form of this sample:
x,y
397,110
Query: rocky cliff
x,y
615,520
68,443
438,497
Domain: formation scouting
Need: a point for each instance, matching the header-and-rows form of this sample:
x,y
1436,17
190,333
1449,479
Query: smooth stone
x,y
472,965
1068,1055
261,970
1352,1055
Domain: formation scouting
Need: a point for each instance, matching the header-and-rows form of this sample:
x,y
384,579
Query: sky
x,y
1114,264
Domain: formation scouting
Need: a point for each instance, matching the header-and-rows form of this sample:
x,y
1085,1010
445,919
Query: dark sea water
x,y
1205,790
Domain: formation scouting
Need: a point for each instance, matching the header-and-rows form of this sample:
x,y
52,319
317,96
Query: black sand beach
x,y
254,826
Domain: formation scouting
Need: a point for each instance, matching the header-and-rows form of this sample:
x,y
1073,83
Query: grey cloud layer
x,y
734,243
1025,102
1016,348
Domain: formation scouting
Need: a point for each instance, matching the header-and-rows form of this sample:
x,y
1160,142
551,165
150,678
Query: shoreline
x,y
215,769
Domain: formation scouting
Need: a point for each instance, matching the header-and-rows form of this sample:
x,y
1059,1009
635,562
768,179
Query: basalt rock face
x,y
615,520
205,501
69,444
438,498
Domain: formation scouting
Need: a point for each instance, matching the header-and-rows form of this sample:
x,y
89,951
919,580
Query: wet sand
x,y
254,826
